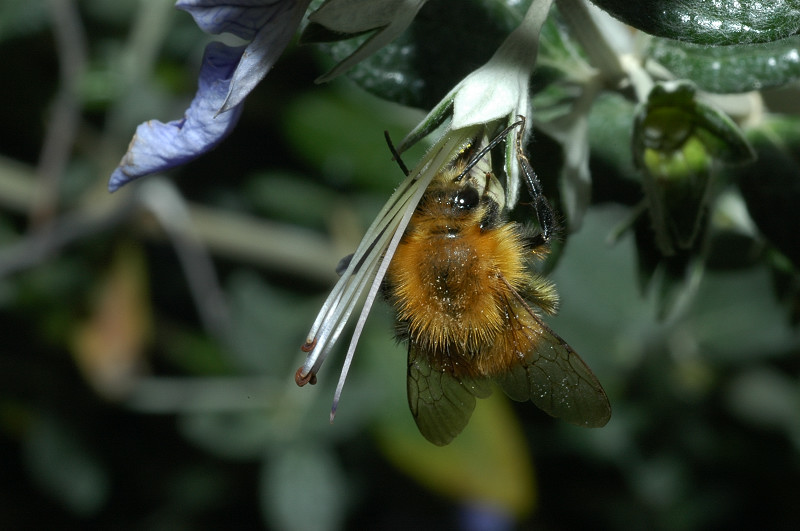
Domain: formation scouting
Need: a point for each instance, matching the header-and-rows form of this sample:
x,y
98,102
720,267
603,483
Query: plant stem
x,y
586,31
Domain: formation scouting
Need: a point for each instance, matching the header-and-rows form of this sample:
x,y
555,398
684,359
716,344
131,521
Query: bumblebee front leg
x,y
544,212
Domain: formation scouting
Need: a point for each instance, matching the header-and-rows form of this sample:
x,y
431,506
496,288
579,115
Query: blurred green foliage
x,y
146,378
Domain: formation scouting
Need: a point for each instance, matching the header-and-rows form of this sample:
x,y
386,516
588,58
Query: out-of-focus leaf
x,y
729,69
673,278
195,488
268,324
239,419
771,186
354,153
42,291
64,468
488,463
614,177
118,12
303,488
735,318
109,347
766,397
720,22
786,279
660,481
285,196
607,331
20,17
194,352
233,434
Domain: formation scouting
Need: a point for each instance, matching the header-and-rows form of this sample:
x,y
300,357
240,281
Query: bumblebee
x,y
460,277
469,305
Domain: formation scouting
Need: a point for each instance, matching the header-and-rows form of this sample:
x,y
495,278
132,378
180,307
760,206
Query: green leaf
x,y
285,196
614,177
355,153
20,17
771,186
317,33
194,352
425,62
229,434
487,463
721,22
763,396
267,322
729,69
735,318
65,468
303,488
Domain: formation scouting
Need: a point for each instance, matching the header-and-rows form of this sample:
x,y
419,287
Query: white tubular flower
x,y
496,92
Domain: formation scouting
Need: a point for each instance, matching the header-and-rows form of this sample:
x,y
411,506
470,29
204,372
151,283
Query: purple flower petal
x,y
268,44
158,146
228,75
483,517
268,24
243,18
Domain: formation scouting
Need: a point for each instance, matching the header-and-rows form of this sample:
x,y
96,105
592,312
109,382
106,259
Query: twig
x,y
163,200
586,31
286,248
65,116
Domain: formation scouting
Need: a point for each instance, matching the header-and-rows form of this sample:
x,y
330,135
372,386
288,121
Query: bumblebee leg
x,y
544,212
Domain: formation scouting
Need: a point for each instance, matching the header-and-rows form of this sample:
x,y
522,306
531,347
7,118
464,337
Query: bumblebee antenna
x,y
499,137
395,154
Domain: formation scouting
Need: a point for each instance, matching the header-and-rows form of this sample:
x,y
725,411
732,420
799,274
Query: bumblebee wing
x,y
549,373
440,402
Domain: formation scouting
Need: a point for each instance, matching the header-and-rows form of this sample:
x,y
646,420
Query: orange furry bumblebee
x,y
468,304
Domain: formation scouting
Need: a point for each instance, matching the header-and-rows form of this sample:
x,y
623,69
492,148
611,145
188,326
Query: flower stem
x,y
585,30
523,43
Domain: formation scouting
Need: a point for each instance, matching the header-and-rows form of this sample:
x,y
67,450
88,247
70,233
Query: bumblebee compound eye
x,y
466,199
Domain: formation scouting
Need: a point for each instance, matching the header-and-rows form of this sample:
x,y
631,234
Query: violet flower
x,y
227,75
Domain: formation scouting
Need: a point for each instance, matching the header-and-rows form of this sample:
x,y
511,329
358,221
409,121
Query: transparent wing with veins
x,y
548,372
440,402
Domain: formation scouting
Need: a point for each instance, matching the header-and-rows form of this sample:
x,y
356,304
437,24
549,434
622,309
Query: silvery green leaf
x,y
735,68
721,22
